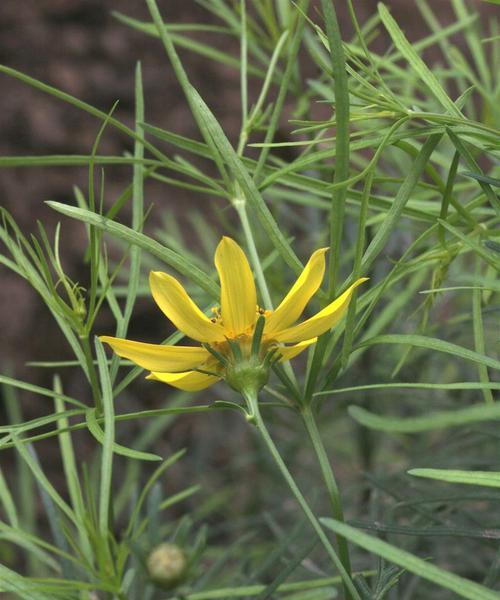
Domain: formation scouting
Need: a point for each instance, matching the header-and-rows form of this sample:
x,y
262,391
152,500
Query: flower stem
x,y
94,382
329,477
351,592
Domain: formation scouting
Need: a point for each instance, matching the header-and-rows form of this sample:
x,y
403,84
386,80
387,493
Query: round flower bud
x,y
166,564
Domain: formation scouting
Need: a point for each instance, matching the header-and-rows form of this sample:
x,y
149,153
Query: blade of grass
x,y
342,113
420,567
483,478
130,236
71,472
137,219
436,420
429,343
42,479
94,428
106,469
402,196
478,250
246,183
479,341
473,166
464,385
291,58
426,75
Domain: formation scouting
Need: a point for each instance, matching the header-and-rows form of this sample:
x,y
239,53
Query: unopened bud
x,y
167,564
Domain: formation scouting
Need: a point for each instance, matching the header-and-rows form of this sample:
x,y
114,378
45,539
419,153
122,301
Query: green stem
x,y
256,418
331,484
94,382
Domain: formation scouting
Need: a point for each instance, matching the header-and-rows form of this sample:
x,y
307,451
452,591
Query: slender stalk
x,y
330,482
251,399
94,383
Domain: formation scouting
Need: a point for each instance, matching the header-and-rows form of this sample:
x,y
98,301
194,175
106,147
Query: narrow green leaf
x,y
36,389
174,259
134,271
402,196
470,243
71,472
107,442
246,183
341,171
205,50
473,167
483,178
69,99
22,587
483,478
71,160
147,488
291,65
434,420
420,567
465,385
7,502
421,341
422,70
42,479
96,430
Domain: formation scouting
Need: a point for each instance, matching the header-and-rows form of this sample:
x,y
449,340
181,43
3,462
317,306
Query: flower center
x,y
217,315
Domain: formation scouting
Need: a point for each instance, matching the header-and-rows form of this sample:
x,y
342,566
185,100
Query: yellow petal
x,y
322,321
289,352
191,381
156,357
299,295
238,295
175,303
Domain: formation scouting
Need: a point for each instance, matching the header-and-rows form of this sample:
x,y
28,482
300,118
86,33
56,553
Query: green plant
x,y
394,168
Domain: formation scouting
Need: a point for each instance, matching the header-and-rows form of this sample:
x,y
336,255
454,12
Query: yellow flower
x,y
194,368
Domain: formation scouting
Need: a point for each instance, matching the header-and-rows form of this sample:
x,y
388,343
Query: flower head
x,y
240,335
167,565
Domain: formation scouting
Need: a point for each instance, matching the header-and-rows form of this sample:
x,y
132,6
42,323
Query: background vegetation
x,y
382,149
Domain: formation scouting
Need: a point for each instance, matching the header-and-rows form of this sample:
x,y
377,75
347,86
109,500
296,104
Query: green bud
x,y
167,565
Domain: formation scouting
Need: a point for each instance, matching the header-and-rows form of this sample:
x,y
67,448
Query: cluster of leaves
x,y
394,168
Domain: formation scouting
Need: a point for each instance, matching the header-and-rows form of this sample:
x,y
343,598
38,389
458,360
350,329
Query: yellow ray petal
x,y
190,381
238,295
320,322
156,357
289,352
175,303
299,295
